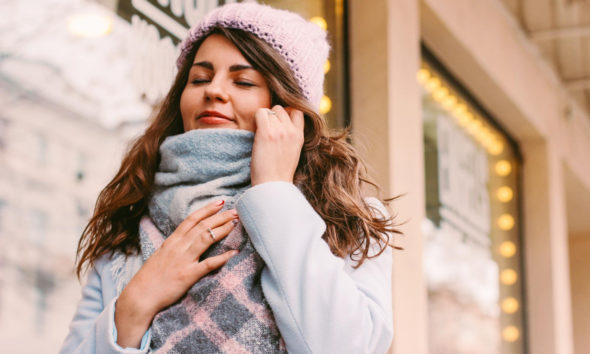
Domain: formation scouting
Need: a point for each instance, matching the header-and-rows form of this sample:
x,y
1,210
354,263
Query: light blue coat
x,y
321,304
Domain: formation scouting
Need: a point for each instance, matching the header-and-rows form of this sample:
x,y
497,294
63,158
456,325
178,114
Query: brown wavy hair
x,y
330,173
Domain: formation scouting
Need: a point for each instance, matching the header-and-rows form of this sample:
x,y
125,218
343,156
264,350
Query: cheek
x,y
261,101
185,106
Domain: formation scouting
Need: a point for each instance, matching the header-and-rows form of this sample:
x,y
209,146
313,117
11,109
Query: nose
x,y
215,91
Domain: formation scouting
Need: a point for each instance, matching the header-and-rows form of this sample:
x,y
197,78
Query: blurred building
x,y
56,153
53,163
477,112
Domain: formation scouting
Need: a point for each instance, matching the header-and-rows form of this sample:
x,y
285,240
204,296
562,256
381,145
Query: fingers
x,y
200,269
262,119
290,115
198,215
281,115
297,119
203,237
216,220
278,116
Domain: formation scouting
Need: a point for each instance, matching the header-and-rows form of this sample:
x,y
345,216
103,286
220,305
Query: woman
x,y
235,224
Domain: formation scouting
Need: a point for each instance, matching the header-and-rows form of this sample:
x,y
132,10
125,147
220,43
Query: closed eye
x,y
199,81
245,83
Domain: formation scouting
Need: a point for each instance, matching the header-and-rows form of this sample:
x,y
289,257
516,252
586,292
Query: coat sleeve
x,y
320,303
92,329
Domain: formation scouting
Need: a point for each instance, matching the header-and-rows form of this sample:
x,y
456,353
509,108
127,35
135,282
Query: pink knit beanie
x,y
301,43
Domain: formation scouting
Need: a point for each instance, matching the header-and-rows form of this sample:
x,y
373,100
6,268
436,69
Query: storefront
x,y
462,117
472,230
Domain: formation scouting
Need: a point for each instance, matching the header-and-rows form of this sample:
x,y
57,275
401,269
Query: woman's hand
x,y
277,144
171,270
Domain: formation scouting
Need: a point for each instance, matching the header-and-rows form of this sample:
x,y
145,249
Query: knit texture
x,y
225,311
302,44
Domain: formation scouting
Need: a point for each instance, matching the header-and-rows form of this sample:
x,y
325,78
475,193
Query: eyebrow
x,y
235,67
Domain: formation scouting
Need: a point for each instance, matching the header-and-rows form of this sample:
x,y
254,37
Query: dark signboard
x,y
172,18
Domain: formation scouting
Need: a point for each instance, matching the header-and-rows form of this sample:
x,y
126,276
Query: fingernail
x,y
220,202
234,252
235,221
234,212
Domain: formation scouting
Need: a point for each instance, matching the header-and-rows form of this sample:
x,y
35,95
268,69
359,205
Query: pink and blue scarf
x,y
225,311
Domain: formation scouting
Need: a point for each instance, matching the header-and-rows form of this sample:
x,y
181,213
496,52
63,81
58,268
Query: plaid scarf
x,y
225,311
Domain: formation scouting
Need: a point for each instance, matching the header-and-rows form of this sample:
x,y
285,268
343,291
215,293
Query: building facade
x,y
484,49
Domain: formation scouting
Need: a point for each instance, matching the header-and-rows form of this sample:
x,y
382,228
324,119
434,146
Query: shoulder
x,y
112,271
385,251
377,207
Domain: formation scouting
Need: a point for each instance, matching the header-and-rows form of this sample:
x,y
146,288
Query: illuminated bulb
x,y
506,222
327,66
440,94
503,168
482,135
510,305
488,139
325,105
508,277
474,127
459,110
89,25
320,21
462,119
510,334
432,84
450,102
465,119
496,147
422,76
504,194
507,249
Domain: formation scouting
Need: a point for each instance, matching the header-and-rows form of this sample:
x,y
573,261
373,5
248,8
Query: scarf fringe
x,y
123,268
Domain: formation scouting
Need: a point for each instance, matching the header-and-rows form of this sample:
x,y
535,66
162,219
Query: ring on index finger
x,y
211,234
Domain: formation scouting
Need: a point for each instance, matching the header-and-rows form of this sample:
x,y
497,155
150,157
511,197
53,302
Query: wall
x,y
580,268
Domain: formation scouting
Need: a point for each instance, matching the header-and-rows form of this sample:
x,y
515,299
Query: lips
x,y
205,114
213,118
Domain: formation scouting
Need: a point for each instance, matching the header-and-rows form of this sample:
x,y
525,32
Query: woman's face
x,y
223,90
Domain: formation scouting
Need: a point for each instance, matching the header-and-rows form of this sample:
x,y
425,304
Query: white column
x,y
387,127
546,251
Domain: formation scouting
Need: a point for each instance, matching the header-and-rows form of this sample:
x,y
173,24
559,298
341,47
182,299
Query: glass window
x,y
472,253
158,26
81,162
2,212
41,148
3,135
38,221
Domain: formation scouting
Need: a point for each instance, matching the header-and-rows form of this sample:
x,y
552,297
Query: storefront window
x,y
159,25
473,251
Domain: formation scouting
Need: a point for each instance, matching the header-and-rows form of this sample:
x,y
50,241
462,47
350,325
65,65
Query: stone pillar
x,y
387,128
546,251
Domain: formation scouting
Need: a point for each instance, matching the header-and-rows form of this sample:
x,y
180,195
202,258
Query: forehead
x,y
218,49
